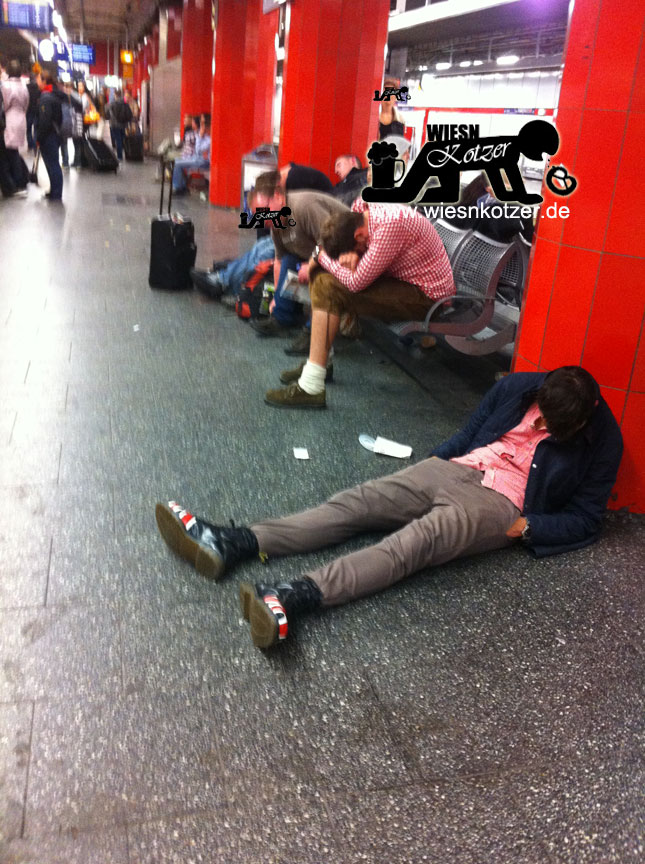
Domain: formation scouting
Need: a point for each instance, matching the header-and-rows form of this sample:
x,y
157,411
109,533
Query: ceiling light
x,y
441,66
478,62
507,60
465,64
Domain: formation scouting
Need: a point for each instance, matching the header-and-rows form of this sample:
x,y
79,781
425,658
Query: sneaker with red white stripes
x,y
211,549
266,608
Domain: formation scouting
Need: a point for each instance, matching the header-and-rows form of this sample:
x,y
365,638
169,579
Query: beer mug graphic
x,y
383,159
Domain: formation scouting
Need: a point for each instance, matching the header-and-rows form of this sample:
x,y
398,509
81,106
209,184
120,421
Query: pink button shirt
x,y
506,462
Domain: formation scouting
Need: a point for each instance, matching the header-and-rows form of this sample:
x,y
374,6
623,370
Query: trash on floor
x,y
385,447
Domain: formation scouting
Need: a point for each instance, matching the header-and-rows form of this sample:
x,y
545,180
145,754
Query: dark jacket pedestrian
x,y
32,111
50,118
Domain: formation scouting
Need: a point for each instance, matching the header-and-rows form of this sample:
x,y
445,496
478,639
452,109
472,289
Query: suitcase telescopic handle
x,y
171,164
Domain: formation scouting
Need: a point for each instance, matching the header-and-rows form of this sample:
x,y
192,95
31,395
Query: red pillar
x,y
197,57
174,31
242,92
155,44
334,62
585,301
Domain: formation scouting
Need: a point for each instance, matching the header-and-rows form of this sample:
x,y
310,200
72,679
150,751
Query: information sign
x,y
35,15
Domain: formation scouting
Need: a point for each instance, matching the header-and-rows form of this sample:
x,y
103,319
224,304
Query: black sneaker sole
x,y
264,627
207,562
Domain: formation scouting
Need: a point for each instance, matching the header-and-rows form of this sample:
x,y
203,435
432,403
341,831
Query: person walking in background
x,y
390,121
77,134
133,105
50,116
119,114
15,99
32,109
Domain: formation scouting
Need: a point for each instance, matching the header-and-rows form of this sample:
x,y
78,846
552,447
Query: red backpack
x,y
249,301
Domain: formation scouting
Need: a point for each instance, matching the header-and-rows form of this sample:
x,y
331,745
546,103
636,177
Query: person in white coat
x,y
15,98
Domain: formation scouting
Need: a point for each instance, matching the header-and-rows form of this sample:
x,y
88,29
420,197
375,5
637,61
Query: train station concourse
x,y
439,656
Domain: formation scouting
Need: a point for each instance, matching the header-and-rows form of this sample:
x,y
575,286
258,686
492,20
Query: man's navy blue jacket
x,y
569,482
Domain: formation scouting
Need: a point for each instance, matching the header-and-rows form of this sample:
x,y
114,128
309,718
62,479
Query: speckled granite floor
x,y
490,712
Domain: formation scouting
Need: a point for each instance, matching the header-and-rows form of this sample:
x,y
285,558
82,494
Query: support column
x,y
334,62
242,91
585,301
197,58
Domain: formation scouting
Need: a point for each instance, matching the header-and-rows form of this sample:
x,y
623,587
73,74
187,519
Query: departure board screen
x,y
28,16
83,53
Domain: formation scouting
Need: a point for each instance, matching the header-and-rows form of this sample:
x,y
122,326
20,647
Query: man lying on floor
x,y
537,461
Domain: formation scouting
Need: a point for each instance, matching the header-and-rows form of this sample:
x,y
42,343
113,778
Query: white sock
x,y
312,380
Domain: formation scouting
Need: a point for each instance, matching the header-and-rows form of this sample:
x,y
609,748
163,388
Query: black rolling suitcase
x,y
172,246
99,156
133,147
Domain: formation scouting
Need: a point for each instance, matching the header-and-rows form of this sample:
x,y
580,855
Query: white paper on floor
x,y
385,447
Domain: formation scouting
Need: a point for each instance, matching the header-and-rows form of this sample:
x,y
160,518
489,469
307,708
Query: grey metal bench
x,y
452,238
469,320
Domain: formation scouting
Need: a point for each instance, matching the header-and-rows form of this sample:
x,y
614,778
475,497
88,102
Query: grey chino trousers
x,y
437,510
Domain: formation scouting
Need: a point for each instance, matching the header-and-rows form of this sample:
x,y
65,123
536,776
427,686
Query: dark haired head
x,y
337,233
475,189
566,400
267,183
14,69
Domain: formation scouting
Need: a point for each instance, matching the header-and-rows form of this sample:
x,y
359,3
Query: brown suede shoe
x,y
300,345
289,375
294,397
270,327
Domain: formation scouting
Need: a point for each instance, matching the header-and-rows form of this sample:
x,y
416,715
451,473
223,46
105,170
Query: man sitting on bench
x,y
385,262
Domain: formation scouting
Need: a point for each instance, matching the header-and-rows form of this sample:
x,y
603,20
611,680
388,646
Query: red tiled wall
x,y
585,301
242,89
334,62
197,58
101,57
173,46
154,53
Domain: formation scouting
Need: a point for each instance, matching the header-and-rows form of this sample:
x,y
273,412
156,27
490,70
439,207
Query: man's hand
x,y
349,260
517,527
303,273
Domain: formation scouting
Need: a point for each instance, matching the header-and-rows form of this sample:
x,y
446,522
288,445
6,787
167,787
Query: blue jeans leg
x,y
118,136
49,149
235,274
286,310
186,165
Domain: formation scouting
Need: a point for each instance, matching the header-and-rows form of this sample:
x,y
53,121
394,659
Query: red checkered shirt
x,y
402,244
